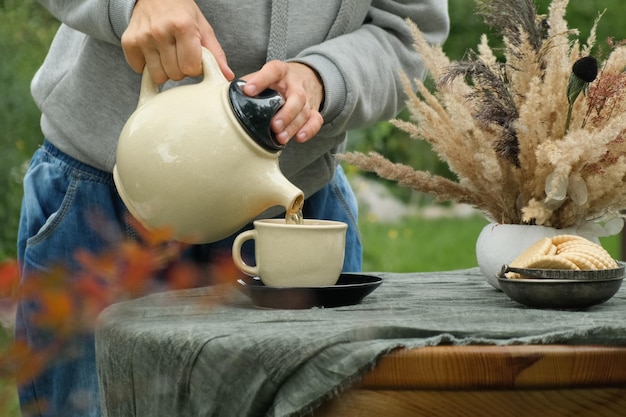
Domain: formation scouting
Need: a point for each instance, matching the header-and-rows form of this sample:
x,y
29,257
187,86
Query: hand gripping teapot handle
x,y
210,69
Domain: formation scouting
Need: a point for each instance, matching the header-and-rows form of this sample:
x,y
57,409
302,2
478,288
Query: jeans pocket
x,y
46,209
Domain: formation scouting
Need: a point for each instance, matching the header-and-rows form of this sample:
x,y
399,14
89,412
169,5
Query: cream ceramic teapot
x,y
200,159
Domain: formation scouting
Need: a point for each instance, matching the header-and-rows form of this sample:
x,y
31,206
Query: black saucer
x,y
349,290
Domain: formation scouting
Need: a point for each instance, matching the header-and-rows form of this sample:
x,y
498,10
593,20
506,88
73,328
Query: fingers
x,y
296,119
165,46
167,37
187,60
210,42
272,75
303,92
310,128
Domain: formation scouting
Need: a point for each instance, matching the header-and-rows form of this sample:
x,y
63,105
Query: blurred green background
x,y
26,30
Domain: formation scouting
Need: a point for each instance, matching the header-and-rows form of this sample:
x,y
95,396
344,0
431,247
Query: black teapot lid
x,y
255,113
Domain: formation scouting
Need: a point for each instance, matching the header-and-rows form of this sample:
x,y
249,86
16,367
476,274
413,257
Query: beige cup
x,y
294,255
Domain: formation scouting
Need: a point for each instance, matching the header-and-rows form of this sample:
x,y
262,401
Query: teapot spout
x,y
290,197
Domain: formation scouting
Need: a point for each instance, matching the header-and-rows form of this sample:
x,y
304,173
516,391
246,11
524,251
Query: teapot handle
x,y
210,70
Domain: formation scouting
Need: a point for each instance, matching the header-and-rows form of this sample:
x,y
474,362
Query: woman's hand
x,y
303,92
167,36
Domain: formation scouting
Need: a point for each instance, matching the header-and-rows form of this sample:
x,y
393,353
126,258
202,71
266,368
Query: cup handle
x,y
253,271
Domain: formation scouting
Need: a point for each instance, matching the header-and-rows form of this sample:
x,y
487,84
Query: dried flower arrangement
x,y
536,139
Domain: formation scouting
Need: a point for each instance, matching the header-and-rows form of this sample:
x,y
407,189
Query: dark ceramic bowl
x,y
564,294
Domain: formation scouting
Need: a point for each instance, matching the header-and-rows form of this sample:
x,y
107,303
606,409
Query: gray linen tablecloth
x,y
191,353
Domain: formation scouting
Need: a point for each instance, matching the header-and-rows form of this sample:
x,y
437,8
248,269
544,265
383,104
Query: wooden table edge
x,y
498,367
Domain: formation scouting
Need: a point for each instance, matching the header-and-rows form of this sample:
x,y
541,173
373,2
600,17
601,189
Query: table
x,y
517,380
421,344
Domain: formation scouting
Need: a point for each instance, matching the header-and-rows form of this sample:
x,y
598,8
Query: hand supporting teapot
x,y
201,159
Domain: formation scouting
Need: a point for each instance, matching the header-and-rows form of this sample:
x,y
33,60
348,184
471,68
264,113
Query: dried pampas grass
x,y
532,140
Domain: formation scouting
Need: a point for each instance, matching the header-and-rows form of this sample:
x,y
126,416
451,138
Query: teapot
x,y
200,159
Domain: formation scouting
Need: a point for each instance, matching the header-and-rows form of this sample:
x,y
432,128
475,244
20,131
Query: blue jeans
x,y
67,206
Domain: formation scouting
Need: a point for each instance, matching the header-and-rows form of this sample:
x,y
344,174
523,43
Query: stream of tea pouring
x,y
294,217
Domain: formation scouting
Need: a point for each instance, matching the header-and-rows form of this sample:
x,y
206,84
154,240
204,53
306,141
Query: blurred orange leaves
x,y
21,363
68,299
9,278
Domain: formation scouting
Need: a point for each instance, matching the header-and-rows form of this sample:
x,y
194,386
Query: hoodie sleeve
x,y
360,69
104,20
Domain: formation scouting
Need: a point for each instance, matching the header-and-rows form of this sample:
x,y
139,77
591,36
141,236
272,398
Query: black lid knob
x,y
255,113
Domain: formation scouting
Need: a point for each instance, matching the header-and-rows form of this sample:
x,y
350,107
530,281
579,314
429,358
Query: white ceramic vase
x,y
500,244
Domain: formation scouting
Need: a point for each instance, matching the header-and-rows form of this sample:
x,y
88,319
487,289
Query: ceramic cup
x,y
294,255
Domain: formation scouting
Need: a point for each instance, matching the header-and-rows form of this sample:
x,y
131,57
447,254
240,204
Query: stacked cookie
x,y
564,252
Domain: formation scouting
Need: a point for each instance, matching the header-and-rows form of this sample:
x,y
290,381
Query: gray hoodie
x,y
86,90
